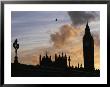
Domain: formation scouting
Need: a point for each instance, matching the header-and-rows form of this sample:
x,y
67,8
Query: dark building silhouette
x,y
60,61
88,49
45,60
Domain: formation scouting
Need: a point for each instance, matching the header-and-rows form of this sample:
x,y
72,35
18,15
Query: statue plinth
x,y
16,60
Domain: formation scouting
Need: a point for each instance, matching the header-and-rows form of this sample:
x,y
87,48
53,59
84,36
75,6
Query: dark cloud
x,y
81,17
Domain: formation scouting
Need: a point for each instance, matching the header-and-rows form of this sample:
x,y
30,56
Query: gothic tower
x,y
88,49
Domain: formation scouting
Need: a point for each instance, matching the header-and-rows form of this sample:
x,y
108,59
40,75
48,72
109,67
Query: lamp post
x,y
16,46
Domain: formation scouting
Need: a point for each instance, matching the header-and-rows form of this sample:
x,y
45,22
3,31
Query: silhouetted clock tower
x,y
88,49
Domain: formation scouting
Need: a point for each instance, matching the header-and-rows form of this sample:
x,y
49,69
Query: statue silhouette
x,y
16,46
69,60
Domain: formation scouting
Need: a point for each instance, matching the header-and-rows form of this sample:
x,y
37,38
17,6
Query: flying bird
x,y
56,19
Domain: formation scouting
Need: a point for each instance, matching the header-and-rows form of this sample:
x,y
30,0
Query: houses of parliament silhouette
x,y
59,67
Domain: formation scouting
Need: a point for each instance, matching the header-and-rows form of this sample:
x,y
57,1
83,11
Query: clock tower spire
x,y
88,49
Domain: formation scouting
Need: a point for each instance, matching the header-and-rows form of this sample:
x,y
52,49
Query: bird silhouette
x,y
56,19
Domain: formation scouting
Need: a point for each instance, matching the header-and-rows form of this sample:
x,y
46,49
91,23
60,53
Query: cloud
x,y
81,17
65,35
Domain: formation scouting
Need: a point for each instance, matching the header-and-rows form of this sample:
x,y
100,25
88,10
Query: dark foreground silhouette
x,y
22,70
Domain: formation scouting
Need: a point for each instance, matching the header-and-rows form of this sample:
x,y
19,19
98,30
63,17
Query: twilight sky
x,y
38,32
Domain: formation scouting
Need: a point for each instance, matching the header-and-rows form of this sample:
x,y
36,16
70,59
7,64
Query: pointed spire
x,y
87,26
59,56
87,29
69,60
46,55
78,65
55,56
50,57
62,54
65,55
40,59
